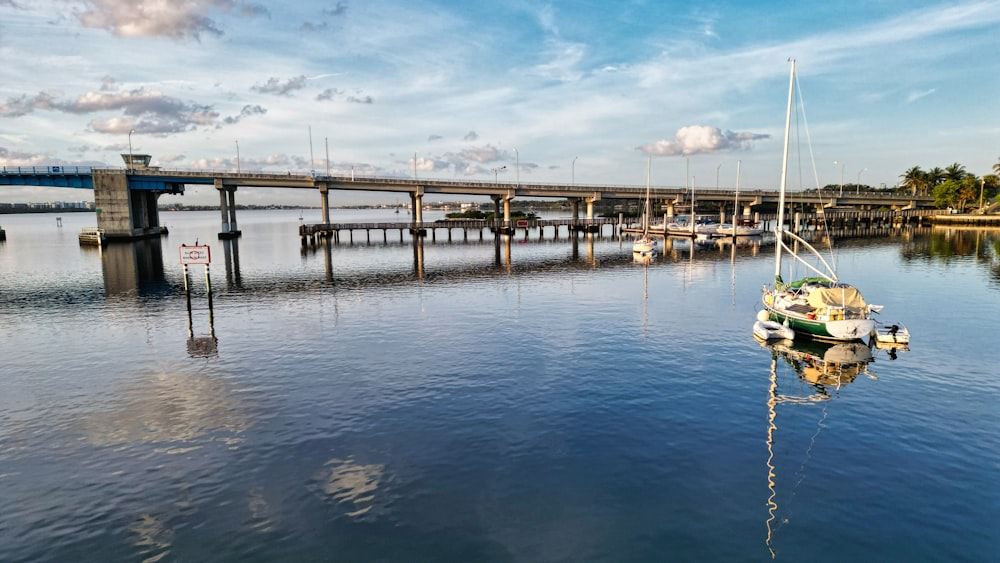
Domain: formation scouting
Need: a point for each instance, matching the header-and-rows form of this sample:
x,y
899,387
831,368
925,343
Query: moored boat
x,y
821,305
894,333
645,245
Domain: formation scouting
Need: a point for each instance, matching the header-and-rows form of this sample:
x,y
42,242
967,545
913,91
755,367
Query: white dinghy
x,y
766,329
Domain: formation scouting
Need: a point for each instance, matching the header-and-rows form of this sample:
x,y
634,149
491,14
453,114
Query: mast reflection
x,y
822,366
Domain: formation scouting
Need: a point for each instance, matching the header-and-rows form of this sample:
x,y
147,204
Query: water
x,y
540,401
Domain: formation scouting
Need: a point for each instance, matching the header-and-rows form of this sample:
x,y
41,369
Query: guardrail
x,y
46,170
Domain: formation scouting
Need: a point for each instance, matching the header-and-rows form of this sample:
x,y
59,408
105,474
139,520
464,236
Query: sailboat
x,y
739,228
645,245
821,306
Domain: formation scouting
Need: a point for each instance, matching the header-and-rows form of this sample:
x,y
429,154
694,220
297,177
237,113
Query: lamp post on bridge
x,y
130,149
717,169
237,156
517,169
841,177
573,171
496,179
859,180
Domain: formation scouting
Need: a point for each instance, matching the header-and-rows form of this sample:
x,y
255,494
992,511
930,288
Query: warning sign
x,y
195,255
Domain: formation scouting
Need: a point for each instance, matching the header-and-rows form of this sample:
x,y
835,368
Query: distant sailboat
x,y
645,245
821,306
739,228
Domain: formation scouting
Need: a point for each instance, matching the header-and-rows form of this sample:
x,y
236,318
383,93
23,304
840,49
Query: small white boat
x,y
645,245
766,329
892,333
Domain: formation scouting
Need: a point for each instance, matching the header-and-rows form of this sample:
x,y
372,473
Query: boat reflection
x,y
821,365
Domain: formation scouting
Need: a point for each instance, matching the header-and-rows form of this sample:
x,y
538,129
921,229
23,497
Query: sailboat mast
x,y
784,178
646,210
736,199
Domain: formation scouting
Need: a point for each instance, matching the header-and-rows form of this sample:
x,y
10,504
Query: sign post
x,y
194,255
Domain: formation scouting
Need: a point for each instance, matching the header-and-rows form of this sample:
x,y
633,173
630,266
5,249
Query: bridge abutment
x,y
122,213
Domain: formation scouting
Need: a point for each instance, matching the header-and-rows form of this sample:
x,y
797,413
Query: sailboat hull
x,y
840,330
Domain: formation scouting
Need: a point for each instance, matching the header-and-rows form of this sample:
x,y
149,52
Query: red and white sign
x,y
195,255
522,223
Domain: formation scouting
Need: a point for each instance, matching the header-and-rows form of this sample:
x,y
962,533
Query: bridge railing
x,y
22,170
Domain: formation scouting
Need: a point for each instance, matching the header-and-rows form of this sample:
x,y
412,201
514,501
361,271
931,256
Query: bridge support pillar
x,y
231,192
324,198
223,206
417,200
227,209
122,212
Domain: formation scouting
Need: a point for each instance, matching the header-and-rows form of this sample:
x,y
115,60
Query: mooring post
x,y
208,286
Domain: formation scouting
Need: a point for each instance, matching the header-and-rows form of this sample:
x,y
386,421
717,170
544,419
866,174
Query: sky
x,y
557,91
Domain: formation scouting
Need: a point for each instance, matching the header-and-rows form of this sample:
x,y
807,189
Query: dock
x,y
311,232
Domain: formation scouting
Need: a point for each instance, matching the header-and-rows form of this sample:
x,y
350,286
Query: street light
x,y
859,179
414,165
841,177
573,171
495,171
517,158
237,156
717,168
130,149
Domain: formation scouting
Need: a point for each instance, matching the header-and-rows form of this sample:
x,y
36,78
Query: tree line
x,y
953,186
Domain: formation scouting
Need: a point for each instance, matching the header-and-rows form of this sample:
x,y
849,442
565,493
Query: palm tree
x,y
935,176
955,171
996,167
915,179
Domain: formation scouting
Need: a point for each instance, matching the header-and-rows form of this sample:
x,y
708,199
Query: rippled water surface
x,y
532,400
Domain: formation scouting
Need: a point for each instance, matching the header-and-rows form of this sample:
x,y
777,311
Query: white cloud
x,y
702,139
177,19
914,96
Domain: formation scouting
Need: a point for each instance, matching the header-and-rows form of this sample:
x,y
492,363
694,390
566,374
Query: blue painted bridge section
x,y
48,176
82,177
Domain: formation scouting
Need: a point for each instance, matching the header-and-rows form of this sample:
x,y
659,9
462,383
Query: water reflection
x,y
350,484
231,250
821,365
180,411
948,243
134,268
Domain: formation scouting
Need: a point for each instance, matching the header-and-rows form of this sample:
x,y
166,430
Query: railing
x,y
46,170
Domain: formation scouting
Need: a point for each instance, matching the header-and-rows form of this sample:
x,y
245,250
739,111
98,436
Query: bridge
x,y
126,198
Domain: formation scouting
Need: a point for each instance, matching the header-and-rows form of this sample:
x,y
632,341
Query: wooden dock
x,y
310,233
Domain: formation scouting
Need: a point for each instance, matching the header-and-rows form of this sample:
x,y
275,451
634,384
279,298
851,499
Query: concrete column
x,y
506,210
670,209
223,206
324,197
576,209
418,208
231,192
590,209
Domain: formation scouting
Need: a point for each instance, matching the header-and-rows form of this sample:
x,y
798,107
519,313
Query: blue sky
x,y
576,91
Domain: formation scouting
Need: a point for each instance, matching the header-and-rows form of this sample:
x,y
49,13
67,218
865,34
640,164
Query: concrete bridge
x,y
126,198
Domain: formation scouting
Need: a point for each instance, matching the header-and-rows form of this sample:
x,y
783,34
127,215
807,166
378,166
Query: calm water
x,y
536,401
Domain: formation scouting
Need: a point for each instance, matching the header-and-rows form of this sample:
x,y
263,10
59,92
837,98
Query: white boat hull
x,y
770,330
892,334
